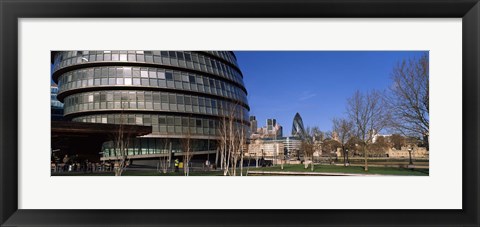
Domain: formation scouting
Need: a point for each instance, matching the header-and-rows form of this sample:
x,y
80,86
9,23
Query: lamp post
x,y
410,155
348,161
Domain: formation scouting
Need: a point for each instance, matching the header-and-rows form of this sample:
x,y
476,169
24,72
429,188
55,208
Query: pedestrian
x,y
66,161
207,164
176,165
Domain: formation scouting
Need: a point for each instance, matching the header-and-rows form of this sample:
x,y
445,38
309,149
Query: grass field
x,y
287,168
349,169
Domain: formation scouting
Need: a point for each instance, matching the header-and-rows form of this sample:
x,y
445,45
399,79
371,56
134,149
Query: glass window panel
x,y
191,79
165,106
179,99
161,75
119,80
177,76
162,83
136,81
185,78
127,72
180,56
153,82
178,121
162,120
187,100
168,75
178,84
152,74
136,72
188,57
149,58
171,98
147,120
164,97
138,120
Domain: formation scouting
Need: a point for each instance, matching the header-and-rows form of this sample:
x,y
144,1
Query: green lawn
x,y
349,169
287,168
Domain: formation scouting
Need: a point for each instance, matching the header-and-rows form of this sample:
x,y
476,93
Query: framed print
x,y
168,75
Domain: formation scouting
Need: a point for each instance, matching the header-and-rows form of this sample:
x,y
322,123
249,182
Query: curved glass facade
x,y
175,92
297,128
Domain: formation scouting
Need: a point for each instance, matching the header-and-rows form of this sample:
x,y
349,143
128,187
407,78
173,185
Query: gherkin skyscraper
x,y
297,128
178,93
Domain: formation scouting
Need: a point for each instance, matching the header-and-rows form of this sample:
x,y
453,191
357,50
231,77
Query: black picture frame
x,y
11,11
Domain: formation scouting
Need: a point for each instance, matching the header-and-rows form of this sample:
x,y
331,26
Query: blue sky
x,y
314,83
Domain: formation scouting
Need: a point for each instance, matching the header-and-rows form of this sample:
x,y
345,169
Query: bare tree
x,y
378,148
187,152
369,116
312,136
121,142
344,129
307,147
398,141
232,140
352,146
242,142
164,160
329,146
409,97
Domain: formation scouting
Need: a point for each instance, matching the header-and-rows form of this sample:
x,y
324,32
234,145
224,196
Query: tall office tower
x,y
297,128
271,125
253,124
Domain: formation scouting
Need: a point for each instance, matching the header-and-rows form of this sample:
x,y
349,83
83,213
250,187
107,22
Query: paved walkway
x,y
279,173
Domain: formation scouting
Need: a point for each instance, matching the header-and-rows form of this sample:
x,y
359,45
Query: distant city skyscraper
x,y
297,128
253,124
279,130
271,124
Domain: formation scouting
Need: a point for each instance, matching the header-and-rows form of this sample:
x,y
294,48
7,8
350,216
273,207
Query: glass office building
x,y
297,127
178,93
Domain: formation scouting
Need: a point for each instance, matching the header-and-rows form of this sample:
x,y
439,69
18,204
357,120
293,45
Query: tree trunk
x,y
305,159
216,157
241,164
312,162
366,157
283,160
